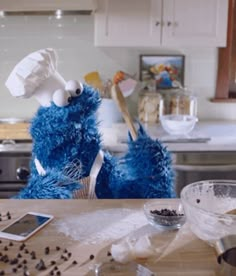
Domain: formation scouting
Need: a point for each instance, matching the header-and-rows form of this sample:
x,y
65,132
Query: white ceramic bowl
x,y
205,206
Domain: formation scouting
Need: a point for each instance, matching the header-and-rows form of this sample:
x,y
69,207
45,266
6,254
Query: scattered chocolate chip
x,y
2,272
0,254
26,251
55,268
91,257
108,253
5,248
8,213
65,251
19,255
58,273
198,200
10,243
19,265
22,246
69,254
9,217
40,265
58,248
14,270
14,261
0,219
53,262
51,272
0,241
74,262
47,250
24,261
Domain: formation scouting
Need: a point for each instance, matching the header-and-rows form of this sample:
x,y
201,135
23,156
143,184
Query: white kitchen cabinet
x,y
161,23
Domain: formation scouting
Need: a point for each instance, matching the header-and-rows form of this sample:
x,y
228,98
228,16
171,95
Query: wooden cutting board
x,y
18,131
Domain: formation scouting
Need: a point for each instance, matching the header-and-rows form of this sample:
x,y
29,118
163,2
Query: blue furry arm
x,y
49,186
145,171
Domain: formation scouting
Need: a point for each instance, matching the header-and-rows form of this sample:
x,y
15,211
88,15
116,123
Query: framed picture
x,y
164,71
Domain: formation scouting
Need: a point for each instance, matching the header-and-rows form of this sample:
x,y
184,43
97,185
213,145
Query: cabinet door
x,y
128,23
195,23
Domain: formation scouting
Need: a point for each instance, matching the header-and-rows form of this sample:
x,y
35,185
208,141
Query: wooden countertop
x,y
18,131
189,255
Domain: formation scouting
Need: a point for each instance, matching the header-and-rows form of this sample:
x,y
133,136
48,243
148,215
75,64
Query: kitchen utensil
x,y
118,97
167,222
94,79
226,250
205,205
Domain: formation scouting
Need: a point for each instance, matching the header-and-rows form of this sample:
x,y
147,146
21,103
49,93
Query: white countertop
x,y
222,136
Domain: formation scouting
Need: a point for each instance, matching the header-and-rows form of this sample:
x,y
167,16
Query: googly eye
x,y
61,98
74,87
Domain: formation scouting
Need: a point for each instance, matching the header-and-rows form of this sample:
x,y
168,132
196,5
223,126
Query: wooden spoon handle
x,y
118,97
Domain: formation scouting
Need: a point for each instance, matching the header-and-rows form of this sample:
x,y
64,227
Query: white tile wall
x,y
72,37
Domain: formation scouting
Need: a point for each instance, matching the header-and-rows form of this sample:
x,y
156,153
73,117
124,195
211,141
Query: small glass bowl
x,y
164,221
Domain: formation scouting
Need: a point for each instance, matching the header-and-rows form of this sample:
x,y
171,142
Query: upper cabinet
x,y
161,23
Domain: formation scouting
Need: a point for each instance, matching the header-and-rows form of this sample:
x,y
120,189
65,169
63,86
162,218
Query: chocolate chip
x,y
14,270
53,262
24,261
58,248
65,251
19,265
41,265
14,261
19,255
69,254
51,272
108,253
47,250
91,257
10,243
2,272
58,273
26,251
198,200
5,248
55,268
74,262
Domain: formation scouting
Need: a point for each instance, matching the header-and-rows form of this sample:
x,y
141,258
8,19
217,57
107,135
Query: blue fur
x,y
63,134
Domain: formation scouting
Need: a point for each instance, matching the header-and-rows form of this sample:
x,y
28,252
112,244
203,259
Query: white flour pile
x,y
102,225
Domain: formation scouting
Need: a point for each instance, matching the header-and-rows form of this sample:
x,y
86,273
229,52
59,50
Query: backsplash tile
x,y
72,37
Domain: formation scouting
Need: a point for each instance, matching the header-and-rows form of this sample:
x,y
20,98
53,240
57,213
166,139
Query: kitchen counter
x,y
222,136
82,228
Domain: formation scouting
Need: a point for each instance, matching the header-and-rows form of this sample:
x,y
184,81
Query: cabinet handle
x,y
157,23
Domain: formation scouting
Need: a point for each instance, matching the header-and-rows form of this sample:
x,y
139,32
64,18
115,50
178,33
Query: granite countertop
x,y
215,136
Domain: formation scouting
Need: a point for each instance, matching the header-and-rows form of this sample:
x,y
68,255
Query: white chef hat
x,y
36,75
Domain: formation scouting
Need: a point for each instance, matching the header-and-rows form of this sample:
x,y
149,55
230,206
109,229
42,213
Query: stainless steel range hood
x,y
15,7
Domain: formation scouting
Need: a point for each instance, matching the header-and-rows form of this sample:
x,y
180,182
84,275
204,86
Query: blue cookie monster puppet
x,y
67,159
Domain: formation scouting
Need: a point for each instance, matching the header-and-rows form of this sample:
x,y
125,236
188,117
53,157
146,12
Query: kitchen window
x,y
226,79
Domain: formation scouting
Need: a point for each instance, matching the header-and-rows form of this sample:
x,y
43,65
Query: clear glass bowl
x,y
205,206
178,115
162,221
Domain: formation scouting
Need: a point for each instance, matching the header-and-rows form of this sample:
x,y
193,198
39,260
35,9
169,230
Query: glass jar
x,y
149,106
179,115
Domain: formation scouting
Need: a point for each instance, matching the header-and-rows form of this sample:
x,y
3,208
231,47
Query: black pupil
x,y
69,99
77,92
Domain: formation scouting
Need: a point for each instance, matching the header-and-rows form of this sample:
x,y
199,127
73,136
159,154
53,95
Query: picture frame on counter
x,y
162,71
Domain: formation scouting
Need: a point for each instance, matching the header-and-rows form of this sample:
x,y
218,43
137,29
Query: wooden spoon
x,y
231,212
118,97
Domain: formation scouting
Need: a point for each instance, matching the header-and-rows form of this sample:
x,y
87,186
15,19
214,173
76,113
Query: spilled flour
x,y
102,225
